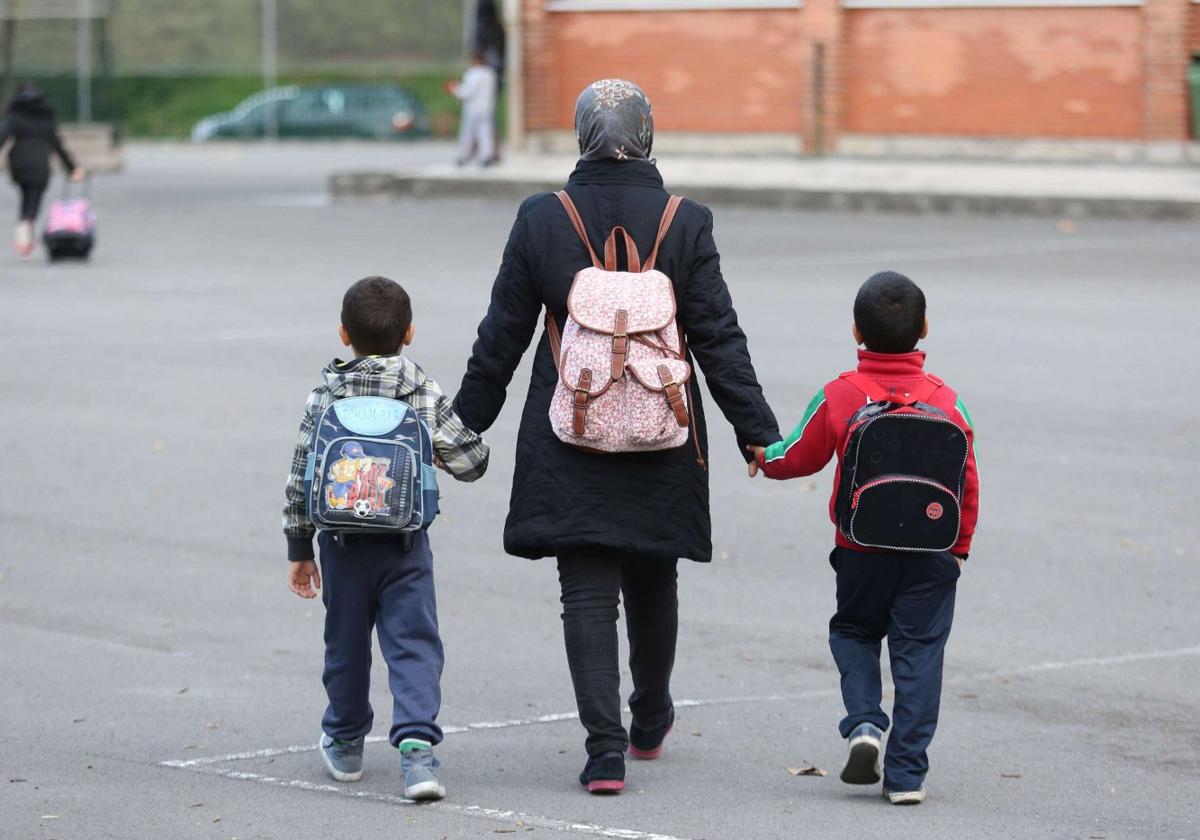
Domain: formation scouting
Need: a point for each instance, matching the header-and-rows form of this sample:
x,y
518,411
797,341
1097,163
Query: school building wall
x,y
823,70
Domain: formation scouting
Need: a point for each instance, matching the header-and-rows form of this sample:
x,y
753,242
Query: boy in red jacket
x,y
907,596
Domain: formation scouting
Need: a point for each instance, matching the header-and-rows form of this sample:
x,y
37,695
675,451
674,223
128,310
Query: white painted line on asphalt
x,y
1025,670
514,818
208,765
1100,661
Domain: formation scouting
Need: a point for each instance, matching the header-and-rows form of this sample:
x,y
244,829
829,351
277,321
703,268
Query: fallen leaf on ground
x,y
10,781
1010,775
696,732
183,690
810,770
969,696
50,816
196,805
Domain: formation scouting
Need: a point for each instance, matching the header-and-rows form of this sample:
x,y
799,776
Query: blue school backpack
x,y
371,468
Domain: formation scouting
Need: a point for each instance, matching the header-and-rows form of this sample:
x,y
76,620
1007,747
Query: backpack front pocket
x,y
904,513
365,483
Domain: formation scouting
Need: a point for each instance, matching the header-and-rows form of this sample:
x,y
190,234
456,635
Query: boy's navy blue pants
x,y
371,583
907,597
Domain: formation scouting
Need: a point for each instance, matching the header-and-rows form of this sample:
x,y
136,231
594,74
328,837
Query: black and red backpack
x,y
902,470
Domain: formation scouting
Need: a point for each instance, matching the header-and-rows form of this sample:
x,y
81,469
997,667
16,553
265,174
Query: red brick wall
x,y
707,71
1194,30
1104,72
1065,72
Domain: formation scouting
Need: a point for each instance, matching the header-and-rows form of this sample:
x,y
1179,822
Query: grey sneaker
x,y
343,759
862,760
905,797
417,762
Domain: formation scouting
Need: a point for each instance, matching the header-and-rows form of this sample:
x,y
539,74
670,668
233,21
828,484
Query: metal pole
x,y
270,63
515,70
468,27
83,62
8,51
818,99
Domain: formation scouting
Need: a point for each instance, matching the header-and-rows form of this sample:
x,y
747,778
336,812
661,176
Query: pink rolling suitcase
x,y
70,226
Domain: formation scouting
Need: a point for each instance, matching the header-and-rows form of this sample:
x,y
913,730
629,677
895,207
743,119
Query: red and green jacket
x,y
826,423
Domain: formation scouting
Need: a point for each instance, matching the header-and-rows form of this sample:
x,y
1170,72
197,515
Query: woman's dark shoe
x,y
647,744
604,773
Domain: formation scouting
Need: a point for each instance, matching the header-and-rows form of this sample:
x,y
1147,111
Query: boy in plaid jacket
x,y
378,579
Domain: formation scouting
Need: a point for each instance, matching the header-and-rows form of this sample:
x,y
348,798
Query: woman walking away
x,y
618,519
29,120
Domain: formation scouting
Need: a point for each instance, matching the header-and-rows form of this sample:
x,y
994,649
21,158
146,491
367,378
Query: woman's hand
x,y
752,467
78,174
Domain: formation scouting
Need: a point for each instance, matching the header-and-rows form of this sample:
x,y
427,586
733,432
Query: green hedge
x,y
168,106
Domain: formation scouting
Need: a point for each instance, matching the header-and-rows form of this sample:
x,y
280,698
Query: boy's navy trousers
x,y
909,598
371,582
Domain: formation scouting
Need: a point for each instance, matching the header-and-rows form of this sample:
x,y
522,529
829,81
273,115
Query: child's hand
x,y
304,577
960,562
752,467
441,465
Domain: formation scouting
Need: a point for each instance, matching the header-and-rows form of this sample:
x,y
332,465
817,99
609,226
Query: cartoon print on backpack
x,y
359,482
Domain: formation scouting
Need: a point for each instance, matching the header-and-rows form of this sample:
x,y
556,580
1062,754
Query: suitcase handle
x,y
86,186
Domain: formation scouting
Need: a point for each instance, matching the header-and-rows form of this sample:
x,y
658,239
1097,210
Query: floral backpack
x,y
622,371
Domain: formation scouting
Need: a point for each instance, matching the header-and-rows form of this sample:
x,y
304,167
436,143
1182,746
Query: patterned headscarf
x,y
613,121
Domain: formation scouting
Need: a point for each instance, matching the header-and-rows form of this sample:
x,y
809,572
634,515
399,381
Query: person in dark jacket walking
x,y
29,120
617,523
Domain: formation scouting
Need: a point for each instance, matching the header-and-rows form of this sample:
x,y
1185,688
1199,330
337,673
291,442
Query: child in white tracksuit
x,y
477,132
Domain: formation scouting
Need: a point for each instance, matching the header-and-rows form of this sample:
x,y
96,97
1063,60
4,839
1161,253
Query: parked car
x,y
377,112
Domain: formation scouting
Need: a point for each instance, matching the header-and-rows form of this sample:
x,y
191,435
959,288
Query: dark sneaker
x,y
417,762
343,759
905,797
862,761
604,773
647,744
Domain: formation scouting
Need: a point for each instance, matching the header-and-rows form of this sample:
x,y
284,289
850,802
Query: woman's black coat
x,y
30,122
652,503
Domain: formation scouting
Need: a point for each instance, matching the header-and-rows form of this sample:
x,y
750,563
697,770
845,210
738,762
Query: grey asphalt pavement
x,y
159,681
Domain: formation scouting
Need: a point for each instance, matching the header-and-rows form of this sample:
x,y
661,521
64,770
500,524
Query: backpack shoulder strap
x,y
926,389
577,222
668,216
864,383
877,393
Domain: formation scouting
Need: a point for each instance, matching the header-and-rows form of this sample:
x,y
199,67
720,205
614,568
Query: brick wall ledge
x,y
838,184
682,142
665,5
1021,150
906,147
986,4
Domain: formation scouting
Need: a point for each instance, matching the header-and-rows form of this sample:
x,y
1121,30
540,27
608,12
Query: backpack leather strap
x,y
555,338
631,254
577,222
674,396
579,421
668,216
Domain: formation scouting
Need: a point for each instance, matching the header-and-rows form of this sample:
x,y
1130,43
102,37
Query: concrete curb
x,y
380,185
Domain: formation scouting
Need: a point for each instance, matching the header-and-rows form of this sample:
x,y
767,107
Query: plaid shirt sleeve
x,y
464,452
297,527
